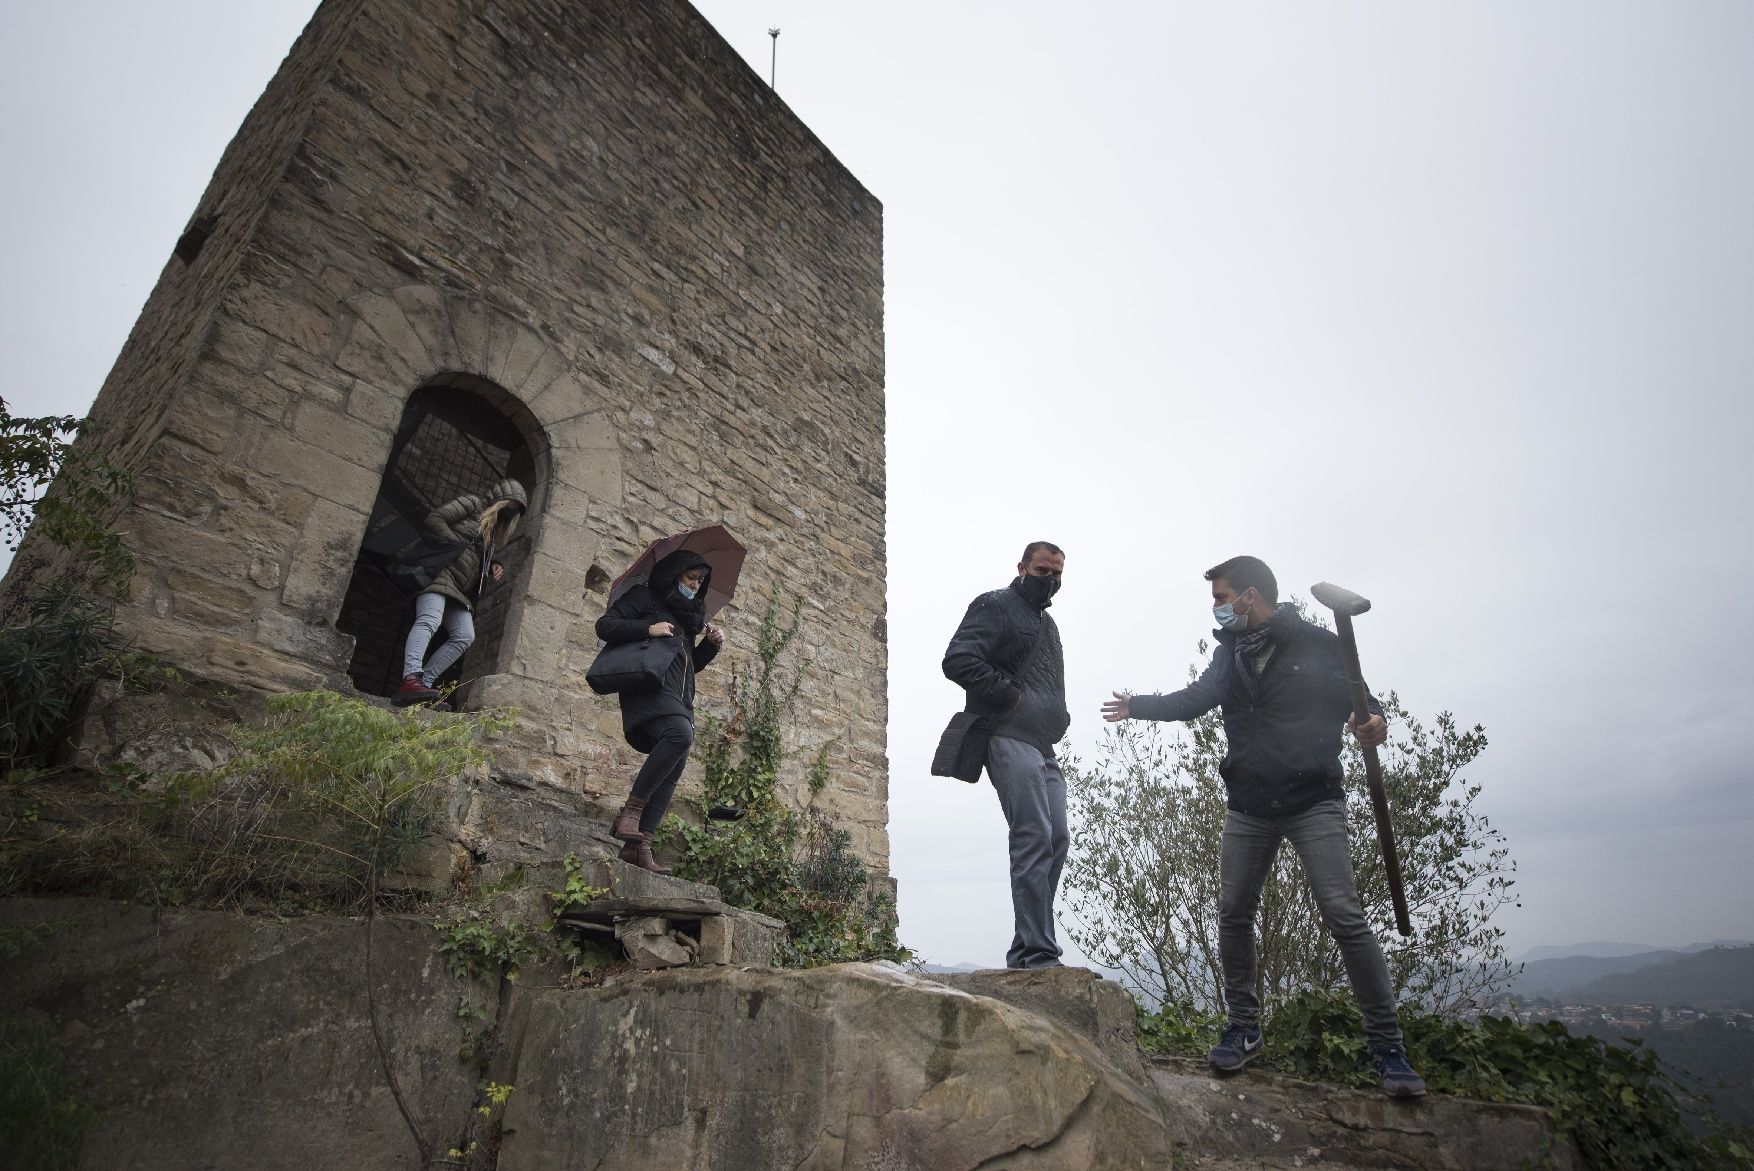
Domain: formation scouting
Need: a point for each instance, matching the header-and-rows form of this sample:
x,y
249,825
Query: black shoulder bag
x,y
415,566
962,749
633,666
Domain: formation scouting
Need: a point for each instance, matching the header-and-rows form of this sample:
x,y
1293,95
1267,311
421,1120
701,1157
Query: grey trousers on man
x,y
1033,795
1319,836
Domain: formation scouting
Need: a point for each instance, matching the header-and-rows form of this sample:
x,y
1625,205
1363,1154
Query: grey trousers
x,y
1319,836
430,610
1033,795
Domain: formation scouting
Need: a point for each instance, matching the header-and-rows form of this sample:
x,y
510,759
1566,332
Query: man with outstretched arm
x,y
1006,656
1281,683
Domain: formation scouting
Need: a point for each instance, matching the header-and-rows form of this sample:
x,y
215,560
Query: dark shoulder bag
x,y
632,667
415,566
962,749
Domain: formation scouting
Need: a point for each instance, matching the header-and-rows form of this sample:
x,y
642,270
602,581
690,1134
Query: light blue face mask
x,y
1228,618
686,590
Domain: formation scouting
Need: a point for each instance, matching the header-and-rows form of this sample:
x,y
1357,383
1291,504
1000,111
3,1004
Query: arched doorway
x,y
458,435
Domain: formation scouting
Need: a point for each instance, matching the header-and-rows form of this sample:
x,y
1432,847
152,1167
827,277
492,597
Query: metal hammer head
x,y
1340,601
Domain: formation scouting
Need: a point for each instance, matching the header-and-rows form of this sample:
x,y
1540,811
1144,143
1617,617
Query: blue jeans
x,y
1319,836
430,611
1033,795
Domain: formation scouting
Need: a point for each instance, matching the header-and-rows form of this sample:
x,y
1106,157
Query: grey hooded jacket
x,y
460,520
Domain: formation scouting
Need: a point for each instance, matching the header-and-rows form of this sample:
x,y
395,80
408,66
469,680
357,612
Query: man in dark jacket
x,y
1282,685
1006,656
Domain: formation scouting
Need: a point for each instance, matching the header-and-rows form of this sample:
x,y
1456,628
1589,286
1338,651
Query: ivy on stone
x,y
791,864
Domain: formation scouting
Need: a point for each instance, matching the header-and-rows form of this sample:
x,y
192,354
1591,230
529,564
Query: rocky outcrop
x,y
1263,1120
858,1065
212,1040
217,1041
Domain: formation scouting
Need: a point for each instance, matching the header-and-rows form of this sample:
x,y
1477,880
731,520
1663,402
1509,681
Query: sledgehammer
x,y
1344,603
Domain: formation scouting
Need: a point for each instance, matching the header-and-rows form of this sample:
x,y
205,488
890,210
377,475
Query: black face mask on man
x,y
1037,590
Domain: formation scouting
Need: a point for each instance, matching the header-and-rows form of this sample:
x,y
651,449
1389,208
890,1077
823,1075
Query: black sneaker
x,y
1240,1045
1398,1078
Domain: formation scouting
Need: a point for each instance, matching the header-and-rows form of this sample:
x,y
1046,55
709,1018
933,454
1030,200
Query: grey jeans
x,y
1033,795
1319,836
430,610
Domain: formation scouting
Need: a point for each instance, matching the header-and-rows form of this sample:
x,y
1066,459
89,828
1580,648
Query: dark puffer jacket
x,y
994,642
1283,751
460,520
630,618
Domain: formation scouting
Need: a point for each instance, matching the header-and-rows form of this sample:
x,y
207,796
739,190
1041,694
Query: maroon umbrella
x,y
720,550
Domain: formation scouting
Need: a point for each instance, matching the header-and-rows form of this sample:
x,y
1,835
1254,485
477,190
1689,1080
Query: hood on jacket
x,y
662,579
691,612
508,489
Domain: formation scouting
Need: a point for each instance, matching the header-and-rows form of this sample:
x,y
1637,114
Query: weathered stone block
x,y
322,560
354,440
212,1040
252,665
384,317
848,1066
651,944
424,309
294,461
557,584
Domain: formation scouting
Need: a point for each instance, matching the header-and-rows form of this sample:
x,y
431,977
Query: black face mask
x,y
1037,590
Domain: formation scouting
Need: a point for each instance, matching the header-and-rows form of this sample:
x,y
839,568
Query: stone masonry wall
x,y
675,292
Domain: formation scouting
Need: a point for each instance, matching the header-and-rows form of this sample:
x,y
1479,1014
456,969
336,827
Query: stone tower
x,y
579,244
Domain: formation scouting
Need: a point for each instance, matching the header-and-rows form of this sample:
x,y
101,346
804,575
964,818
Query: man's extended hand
x,y
1119,708
1371,733
714,635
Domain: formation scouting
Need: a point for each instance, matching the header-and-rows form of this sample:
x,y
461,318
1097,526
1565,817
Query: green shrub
x,y
43,1118
1618,1104
58,636
324,796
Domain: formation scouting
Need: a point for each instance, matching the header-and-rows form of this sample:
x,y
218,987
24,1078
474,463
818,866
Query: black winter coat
x,y
630,618
992,645
1283,750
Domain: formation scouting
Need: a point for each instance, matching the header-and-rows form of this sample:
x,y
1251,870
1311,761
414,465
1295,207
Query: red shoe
x,y
412,691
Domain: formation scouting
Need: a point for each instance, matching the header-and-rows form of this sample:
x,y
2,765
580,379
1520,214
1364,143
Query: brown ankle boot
x,y
640,854
626,825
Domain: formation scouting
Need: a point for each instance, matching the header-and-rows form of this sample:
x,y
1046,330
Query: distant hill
x,y
1550,978
1722,977
1596,950
1600,949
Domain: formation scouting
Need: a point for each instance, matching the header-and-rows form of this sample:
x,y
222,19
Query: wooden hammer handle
x,y
1379,798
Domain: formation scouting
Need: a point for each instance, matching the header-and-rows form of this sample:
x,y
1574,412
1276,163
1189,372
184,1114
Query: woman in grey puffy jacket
x,y
483,525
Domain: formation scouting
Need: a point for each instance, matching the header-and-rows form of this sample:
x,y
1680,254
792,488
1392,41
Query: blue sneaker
x,y
1398,1078
1240,1045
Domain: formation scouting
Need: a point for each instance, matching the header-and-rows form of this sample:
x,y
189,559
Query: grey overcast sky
x,y
1450,303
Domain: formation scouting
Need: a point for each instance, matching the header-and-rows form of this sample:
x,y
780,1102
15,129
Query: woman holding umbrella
x,y
670,603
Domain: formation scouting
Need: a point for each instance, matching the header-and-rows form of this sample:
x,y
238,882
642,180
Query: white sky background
x,y
1451,304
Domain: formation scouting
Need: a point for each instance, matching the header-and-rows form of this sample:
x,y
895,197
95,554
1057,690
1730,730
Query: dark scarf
x,y
689,613
1252,643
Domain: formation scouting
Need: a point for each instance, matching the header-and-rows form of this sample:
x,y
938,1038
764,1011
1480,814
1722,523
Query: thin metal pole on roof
x,y
774,60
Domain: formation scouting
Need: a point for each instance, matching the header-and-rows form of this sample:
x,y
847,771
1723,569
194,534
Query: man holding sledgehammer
x,y
1282,684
